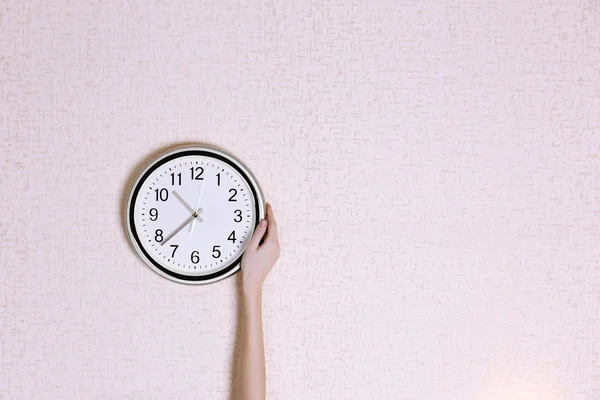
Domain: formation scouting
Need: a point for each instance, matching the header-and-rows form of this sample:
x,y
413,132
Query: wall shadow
x,y
238,327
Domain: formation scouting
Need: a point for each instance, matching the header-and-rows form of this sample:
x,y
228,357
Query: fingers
x,y
272,234
259,232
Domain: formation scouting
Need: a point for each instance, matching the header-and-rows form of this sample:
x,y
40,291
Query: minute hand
x,y
180,227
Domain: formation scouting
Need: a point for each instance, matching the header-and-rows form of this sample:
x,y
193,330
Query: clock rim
x,y
259,205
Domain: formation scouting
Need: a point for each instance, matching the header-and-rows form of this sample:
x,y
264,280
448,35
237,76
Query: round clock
x,y
191,213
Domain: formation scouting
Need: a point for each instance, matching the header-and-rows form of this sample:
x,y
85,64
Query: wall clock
x,y
191,213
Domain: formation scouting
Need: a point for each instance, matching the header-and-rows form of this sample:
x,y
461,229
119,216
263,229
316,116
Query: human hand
x,y
259,257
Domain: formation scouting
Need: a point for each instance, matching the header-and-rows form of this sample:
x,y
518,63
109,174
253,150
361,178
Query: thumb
x,y
258,235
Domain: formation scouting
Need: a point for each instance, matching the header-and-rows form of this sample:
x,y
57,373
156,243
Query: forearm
x,y
251,368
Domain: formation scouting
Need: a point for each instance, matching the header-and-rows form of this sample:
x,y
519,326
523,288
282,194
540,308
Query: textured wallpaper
x,y
434,167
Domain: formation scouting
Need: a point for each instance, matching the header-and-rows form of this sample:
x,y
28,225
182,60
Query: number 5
x,y
217,251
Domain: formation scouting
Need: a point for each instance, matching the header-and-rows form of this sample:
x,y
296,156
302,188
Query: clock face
x,y
191,214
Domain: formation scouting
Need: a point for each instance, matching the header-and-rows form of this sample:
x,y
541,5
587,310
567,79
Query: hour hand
x,y
186,205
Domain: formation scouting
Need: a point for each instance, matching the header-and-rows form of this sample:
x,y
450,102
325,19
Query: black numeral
x,y
238,214
162,194
219,179
175,246
197,176
232,198
153,214
173,178
195,258
232,237
158,235
216,252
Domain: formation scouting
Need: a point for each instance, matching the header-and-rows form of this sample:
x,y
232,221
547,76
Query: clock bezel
x,y
134,240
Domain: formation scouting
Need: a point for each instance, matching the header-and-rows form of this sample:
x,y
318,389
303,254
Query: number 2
x,y
232,198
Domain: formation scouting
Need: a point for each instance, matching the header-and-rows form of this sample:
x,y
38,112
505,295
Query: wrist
x,y
252,293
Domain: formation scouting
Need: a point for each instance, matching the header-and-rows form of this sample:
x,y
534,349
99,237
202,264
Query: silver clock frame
x,y
252,181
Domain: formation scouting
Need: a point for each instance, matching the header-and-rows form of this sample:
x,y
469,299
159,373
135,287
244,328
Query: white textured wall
x,y
434,165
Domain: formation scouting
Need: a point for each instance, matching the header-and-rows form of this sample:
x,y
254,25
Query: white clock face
x,y
191,215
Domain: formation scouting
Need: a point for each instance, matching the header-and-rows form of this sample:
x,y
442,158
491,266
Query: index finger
x,y
272,235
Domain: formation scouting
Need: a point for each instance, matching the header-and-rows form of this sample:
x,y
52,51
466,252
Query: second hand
x,y
197,206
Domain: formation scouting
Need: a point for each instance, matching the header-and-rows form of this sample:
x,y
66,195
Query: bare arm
x,y
257,262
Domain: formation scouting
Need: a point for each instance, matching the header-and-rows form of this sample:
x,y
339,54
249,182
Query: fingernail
x,y
262,222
